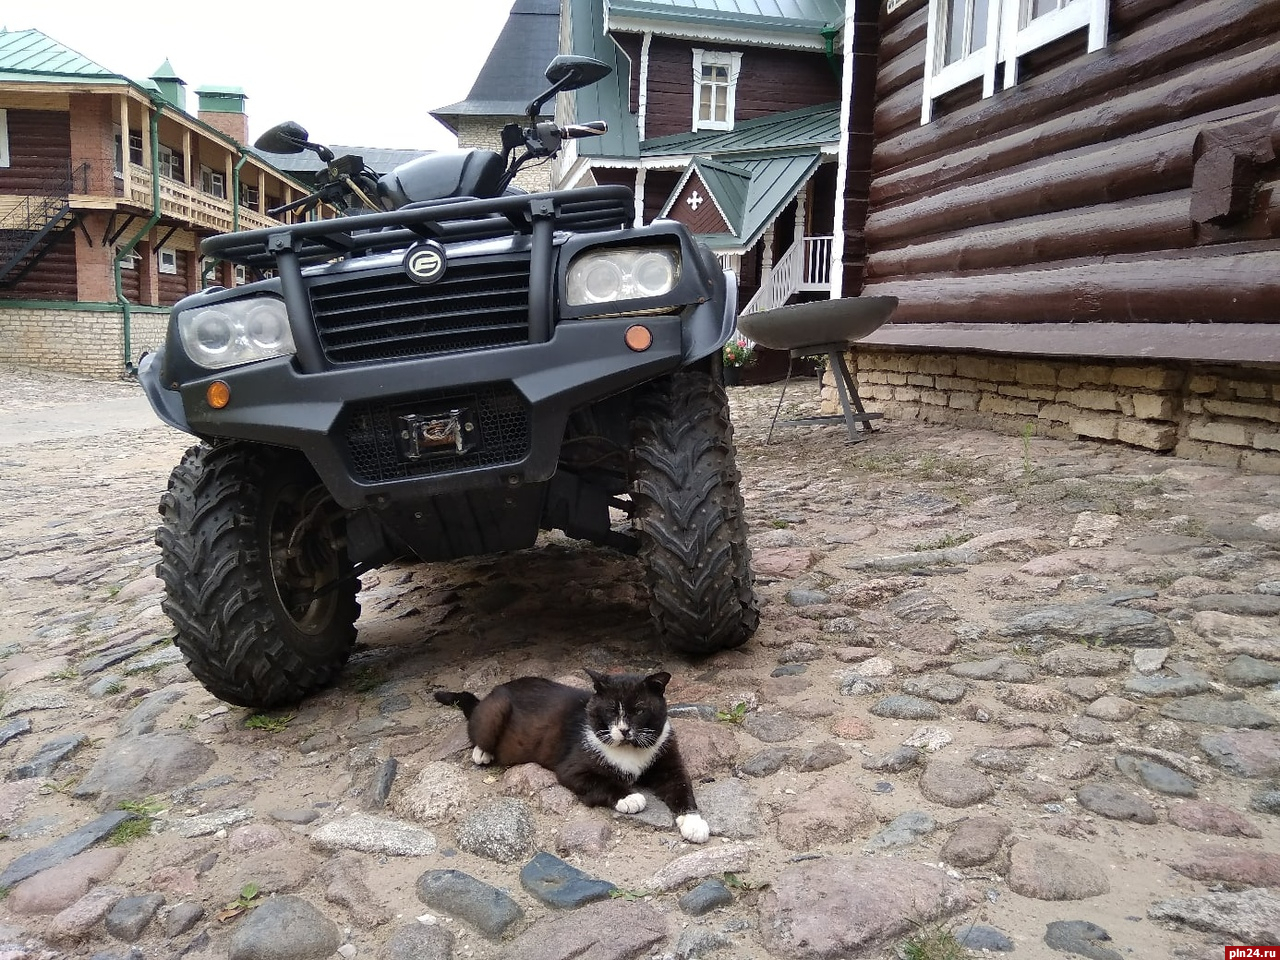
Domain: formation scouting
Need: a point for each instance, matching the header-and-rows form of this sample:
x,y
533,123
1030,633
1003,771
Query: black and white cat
x,y
603,746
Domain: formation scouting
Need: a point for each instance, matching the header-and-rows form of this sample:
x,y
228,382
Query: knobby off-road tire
x,y
688,516
256,580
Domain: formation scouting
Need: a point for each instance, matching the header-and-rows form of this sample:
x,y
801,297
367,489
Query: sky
x,y
360,75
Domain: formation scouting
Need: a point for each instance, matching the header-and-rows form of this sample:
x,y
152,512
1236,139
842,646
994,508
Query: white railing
x,y
817,263
805,266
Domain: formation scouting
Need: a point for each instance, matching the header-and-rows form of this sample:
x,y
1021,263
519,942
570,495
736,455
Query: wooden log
x,y
902,70
1126,171
1189,36
1224,284
1160,223
898,37
1214,86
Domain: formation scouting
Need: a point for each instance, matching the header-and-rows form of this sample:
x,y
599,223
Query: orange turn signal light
x,y
218,395
638,338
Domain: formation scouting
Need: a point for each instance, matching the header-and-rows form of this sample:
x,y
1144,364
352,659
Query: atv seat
x,y
824,328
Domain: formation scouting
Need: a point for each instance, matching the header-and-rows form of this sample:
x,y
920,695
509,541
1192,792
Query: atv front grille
x,y
478,305
372,429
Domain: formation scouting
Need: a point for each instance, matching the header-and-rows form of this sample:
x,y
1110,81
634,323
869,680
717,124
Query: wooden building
x,y
724,115
107,187
1074,201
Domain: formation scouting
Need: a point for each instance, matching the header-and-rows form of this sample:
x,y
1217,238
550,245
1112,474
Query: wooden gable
x,y
695,207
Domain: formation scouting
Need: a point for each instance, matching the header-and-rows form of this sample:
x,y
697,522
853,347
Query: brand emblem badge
x,y
425,262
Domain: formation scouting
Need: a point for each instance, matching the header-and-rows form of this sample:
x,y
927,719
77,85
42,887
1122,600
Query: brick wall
x,y
485,133
71,338
1225,415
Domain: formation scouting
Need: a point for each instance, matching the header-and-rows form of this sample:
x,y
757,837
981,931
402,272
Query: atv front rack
x,y
582,210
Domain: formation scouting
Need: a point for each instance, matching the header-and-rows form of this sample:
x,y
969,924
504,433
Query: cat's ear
x,y
599,679
657,682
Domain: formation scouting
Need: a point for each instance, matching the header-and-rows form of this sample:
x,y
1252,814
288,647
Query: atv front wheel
x,y
688,516
257,579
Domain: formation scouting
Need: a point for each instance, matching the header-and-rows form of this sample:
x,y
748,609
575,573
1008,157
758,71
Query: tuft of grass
x,y
932,943
736,714
129,831
1028,431
115,687
143,808
735,882
268,723
943,542
247,900
619,893
66,673
366,679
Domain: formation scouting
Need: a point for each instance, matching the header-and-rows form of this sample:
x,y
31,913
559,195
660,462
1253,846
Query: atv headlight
x,y
236,331
612,274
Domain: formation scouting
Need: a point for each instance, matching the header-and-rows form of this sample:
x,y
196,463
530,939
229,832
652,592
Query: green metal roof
x,y
808,126
752,190
728,185
166,72
30,55
215,91
608,100
782,16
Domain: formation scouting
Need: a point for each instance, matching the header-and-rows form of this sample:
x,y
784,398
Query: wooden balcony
x,y
190,204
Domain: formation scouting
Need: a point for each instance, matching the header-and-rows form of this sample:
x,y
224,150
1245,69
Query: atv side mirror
x,y
568,73
573,73
287,137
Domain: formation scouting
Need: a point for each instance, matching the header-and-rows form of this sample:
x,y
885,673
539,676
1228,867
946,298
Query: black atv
x,y
443,371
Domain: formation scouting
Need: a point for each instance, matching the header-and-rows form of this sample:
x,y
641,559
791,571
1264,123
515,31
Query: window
x,y
969,39
249,197
213,182
129,261
4,138
135,150
715,77
168,260
171,165
241,275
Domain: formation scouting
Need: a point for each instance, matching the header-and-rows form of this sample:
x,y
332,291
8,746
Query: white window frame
x,y
130,260
170,163
1011,35
941,77
242,275
215,179
168,260
1019,34
4,138
732,61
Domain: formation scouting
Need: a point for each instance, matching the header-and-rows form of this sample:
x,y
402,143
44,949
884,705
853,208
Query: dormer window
x,y
715,77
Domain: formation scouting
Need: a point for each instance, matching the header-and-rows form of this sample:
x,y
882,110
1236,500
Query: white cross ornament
x,y
694,200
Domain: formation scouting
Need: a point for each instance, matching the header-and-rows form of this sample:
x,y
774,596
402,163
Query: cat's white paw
x,y
631,803
693,828
481,758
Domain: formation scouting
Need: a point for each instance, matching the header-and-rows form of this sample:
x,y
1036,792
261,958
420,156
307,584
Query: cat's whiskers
x,y
629,759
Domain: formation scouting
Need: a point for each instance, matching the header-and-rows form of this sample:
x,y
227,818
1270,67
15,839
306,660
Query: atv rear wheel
x,y
688,515
256,575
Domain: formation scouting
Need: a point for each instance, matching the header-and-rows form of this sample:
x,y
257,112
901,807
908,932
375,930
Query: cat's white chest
x,y
629,761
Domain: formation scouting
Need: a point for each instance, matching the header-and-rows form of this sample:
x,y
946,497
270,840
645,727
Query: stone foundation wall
x,y
1224,415
84,339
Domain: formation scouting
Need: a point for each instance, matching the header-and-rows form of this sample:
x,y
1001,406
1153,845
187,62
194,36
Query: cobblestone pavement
x,y
1012,690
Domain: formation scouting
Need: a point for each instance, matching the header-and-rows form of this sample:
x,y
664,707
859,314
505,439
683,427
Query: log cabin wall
x,y
1135,183
770,81
1133,186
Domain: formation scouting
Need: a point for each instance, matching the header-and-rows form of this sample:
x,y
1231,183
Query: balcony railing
x,y
192,204
805,266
